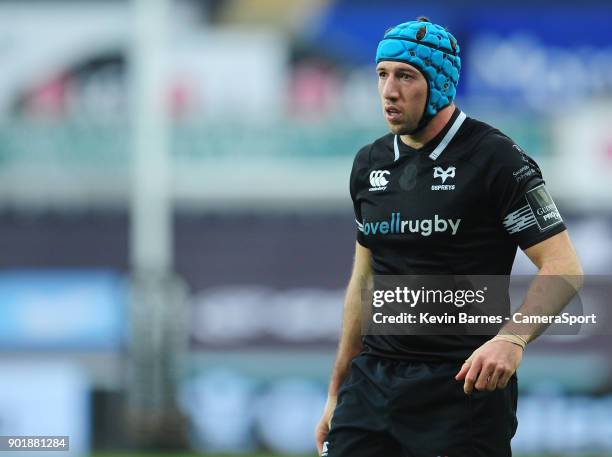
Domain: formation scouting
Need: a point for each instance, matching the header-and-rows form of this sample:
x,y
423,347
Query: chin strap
x,y
421,125
424,117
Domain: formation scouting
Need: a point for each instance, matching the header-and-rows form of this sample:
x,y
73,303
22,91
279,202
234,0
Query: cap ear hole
x,y
412,53
453,45
421,33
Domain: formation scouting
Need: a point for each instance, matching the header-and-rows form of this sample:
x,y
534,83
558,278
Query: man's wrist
x,y
511,338
515,331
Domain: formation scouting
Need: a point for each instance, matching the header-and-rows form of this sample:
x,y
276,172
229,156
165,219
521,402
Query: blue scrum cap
x,y
433,51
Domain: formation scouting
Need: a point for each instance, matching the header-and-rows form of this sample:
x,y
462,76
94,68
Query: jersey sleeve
x,y
518,193
360,168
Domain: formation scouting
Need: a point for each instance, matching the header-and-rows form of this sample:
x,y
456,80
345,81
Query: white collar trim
x,y
445,141
448,137
395,148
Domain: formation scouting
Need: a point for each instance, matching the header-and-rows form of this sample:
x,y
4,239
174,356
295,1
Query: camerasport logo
x,y
378,180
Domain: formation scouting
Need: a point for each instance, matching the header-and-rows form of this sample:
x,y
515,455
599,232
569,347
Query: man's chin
x,y
400,129
396,128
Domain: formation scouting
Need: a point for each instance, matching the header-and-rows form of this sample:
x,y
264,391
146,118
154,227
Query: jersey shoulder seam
x,y
487,134
378,143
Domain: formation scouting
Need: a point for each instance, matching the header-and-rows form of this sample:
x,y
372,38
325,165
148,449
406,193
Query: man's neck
x,y
434,127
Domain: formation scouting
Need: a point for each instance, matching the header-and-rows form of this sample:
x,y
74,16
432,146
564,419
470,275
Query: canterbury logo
x,y
325,449
444,174
378,180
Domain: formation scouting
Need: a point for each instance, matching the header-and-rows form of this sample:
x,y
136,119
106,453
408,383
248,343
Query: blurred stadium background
x,y
175,224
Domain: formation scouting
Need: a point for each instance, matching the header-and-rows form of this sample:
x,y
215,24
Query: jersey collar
x,y
454,123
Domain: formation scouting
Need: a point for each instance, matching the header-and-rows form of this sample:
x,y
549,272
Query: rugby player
x,y
442,193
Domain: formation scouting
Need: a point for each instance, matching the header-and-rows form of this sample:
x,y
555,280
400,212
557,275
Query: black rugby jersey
x,y
460,205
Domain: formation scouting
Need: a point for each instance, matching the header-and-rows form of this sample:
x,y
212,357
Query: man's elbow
x,y
573,272
569,268
579,274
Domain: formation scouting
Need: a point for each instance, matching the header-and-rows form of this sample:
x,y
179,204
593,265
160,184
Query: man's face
x,y
403,93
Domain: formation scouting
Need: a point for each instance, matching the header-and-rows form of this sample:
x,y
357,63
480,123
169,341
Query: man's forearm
x,y
549,293
350,339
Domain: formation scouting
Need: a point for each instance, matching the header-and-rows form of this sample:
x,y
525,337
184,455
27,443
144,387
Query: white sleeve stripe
x,y
522,225
359,225
519,213
522,209
519,220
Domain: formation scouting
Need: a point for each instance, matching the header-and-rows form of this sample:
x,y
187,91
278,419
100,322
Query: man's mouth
x,y
392,114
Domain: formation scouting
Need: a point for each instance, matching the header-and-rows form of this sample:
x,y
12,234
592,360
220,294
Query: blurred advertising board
x,y
543,61
238,317
72,64
62,310
583,144
542,57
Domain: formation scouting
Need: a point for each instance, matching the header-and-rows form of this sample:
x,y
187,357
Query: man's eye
x,y
382,74
406,76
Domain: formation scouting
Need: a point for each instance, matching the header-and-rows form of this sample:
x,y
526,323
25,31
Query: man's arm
x,y
492,364
559,278
350,338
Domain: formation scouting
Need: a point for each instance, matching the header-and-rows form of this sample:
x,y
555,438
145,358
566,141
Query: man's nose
x,y
390,89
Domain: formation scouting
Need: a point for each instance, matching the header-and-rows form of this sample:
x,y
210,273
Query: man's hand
x,y
323,426
490,366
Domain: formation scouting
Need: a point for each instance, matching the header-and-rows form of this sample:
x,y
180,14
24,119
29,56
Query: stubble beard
x,y
403,129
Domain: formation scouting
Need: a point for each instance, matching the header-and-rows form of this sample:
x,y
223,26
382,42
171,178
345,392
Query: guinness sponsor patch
x,y
543,208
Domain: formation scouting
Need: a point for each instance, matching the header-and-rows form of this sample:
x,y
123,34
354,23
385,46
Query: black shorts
x,y
389,408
